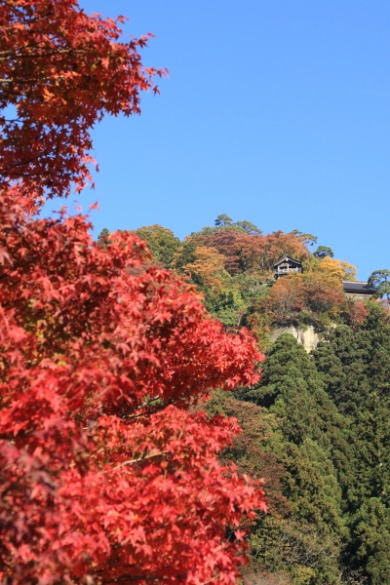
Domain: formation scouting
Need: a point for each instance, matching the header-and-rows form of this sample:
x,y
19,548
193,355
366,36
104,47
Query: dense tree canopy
x,y
319,432
355,366
162,243
304,432
247,249
232,264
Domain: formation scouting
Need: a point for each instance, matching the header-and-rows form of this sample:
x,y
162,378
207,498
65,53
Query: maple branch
x,y
16,49
140,459
36,79
144,576
58,51
51,151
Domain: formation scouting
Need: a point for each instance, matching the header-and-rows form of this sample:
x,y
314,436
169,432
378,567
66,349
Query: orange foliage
x,y
354,312
243,251
286,298
314,292
208,269
239,250
278,244
321,292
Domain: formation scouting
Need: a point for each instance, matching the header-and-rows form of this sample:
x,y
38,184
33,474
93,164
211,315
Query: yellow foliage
x,y
338,268
208,269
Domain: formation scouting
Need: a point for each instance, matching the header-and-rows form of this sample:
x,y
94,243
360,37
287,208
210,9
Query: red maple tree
x,y
61,70
107,472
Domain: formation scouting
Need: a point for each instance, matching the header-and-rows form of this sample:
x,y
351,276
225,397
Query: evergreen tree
x,y
355,365
308,540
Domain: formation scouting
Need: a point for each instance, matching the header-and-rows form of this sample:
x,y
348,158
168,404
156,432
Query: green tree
x,y
248,227
380,280
323,251
186,254
308,436
307,239
104,238
161,241
223,220
355,366
371,528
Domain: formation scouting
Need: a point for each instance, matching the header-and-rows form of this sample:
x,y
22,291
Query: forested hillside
x,y
232,265
118,358
316,427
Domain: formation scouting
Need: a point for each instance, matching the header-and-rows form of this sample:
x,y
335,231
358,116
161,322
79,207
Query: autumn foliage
x,y
61,70
290,295
108,472
243,251
103,462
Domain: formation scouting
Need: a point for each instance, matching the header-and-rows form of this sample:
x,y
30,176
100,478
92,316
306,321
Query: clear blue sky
x,y
275,111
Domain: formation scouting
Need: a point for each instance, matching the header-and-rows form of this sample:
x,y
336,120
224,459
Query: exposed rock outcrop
x,y
307,336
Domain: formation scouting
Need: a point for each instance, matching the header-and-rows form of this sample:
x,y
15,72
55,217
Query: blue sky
x,y
275,111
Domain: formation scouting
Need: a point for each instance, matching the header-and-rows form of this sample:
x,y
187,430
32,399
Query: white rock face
x,y
306,337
